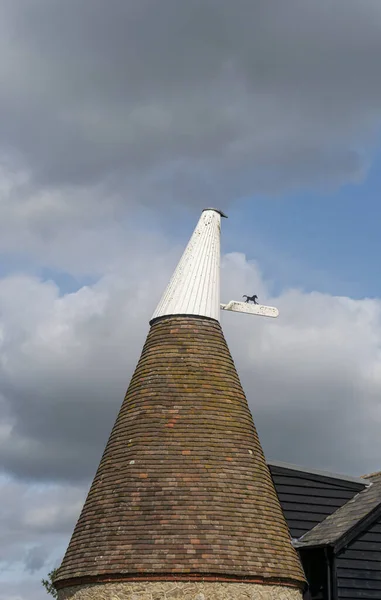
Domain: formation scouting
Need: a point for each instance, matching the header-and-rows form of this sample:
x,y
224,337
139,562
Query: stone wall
x,y
164,590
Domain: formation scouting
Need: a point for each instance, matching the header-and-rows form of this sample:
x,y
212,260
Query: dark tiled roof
x,y
335,526
183,486
319,473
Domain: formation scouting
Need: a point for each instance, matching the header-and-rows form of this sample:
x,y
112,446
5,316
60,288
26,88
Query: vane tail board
x,y
251,309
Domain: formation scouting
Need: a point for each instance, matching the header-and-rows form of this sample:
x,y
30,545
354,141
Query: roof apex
x,y
194,288
217,210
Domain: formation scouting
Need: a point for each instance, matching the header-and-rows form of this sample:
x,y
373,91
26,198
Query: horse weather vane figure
x,y
252,298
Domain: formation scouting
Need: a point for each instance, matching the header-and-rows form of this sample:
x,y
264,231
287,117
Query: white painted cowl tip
x,y
194,288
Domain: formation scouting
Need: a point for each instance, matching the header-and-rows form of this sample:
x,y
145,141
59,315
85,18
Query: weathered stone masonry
x,y
179,591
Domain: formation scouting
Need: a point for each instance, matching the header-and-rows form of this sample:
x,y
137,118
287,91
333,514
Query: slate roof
x,y
183,487
325,474
335,526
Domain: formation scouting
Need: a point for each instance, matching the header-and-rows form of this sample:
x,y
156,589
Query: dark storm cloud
x,y
204,96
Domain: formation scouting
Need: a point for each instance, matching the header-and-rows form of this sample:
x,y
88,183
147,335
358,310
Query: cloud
x,y
208,99
35,522
313,377
66,360
111,116
64,365
35,559
78,231
26,590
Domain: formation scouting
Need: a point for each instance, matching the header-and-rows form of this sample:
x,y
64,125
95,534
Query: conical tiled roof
x,y
183,490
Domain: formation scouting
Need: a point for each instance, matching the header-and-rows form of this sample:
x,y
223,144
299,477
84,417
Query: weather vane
x,y
251,309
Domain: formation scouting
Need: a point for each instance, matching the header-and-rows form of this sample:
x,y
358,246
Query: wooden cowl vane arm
x,y
251,309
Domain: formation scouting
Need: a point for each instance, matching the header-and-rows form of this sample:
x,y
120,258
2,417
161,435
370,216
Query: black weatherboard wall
x,y
308,497
358,567
341,549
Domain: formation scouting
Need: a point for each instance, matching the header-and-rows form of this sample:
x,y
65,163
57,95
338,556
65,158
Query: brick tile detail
x,y
183,485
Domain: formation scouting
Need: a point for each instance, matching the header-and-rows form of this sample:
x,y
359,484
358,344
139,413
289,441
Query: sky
x,y
119,122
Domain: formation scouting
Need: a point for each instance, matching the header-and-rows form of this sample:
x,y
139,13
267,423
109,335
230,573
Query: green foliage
x,y
48,584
